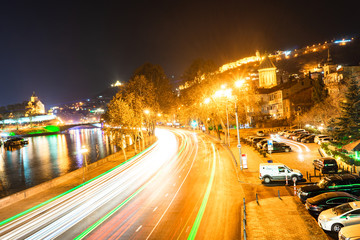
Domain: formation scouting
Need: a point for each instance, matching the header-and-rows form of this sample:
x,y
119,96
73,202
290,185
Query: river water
x,y
48,157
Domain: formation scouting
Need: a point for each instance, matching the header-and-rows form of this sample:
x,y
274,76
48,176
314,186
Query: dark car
x,y
261,143
308,139
304,135
278,147
324,201
255,140
326,165
349,183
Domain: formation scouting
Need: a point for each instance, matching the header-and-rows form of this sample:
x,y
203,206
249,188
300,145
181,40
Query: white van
x,y
278,172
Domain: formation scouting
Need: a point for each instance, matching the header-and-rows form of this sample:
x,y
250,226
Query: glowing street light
x,y
239,83
146,111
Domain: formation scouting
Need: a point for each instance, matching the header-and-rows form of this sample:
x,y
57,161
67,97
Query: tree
x,y
349,120
197,69
126,112
161,85
319,90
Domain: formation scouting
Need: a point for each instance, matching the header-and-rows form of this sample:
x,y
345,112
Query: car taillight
x,y
315,207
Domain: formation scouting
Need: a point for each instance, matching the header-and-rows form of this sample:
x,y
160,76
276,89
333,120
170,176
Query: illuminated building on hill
x,y
35,106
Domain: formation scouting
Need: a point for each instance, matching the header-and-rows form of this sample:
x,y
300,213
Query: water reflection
x,y
47,157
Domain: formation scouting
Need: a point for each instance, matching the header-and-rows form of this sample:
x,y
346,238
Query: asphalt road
x,y
193,192
186,186
176,189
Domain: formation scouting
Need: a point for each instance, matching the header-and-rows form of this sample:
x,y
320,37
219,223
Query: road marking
x,y
166,195
187,229
138,228
180,176
174,184
155,209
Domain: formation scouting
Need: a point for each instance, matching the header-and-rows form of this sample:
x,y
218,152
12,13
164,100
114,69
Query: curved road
x,y
177,189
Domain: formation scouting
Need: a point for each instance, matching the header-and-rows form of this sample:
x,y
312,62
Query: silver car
x,y
343,215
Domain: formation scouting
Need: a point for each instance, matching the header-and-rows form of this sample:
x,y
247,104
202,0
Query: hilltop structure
x,y
35,106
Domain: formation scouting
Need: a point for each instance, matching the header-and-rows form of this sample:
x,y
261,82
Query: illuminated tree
x,y
126,112
161,85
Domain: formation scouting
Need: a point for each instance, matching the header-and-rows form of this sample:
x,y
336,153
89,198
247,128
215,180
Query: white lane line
x,y
138,228
155,209
177,192
166,195
174,184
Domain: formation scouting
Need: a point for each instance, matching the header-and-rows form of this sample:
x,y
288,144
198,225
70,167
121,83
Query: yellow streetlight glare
x,y
146,111
223,86
239,83
84,149
207,100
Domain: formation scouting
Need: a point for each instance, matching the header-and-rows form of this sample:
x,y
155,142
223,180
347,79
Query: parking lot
x,y
300,157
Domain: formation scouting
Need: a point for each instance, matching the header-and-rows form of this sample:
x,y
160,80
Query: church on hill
x,y
35,106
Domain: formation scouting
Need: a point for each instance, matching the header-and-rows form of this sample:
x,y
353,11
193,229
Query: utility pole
x,y
238,137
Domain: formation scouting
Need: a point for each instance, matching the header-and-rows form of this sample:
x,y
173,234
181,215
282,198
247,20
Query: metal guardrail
x,y
244,220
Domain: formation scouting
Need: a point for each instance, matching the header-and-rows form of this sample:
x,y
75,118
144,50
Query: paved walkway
x,y
272,217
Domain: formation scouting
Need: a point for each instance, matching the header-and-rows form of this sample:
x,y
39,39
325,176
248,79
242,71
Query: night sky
x,y
70,50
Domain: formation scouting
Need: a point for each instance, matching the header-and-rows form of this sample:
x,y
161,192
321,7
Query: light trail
x,y
291,142
58,215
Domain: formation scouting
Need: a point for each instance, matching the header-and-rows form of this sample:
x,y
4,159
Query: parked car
x,y
343,215
260,133
278,147
255,140
290,136
308,139
325,139
269,172
326,165
281,133
318,137
261,143
301,136
249,139
287,134
317,204
351,232
340,183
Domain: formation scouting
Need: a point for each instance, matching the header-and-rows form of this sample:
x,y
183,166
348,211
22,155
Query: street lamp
x,y
238,84
83,151
227,93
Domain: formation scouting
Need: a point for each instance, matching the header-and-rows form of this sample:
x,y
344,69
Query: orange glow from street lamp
x,y
239,83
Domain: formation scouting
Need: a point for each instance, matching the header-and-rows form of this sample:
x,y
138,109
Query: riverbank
x,y
22,200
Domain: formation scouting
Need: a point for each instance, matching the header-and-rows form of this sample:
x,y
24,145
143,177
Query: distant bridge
x,y
80,125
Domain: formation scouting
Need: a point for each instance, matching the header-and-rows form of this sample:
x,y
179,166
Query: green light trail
x,y
108,215
71,190
197,222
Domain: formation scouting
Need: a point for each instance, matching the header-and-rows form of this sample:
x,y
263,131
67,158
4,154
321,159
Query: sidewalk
x,y
272,217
